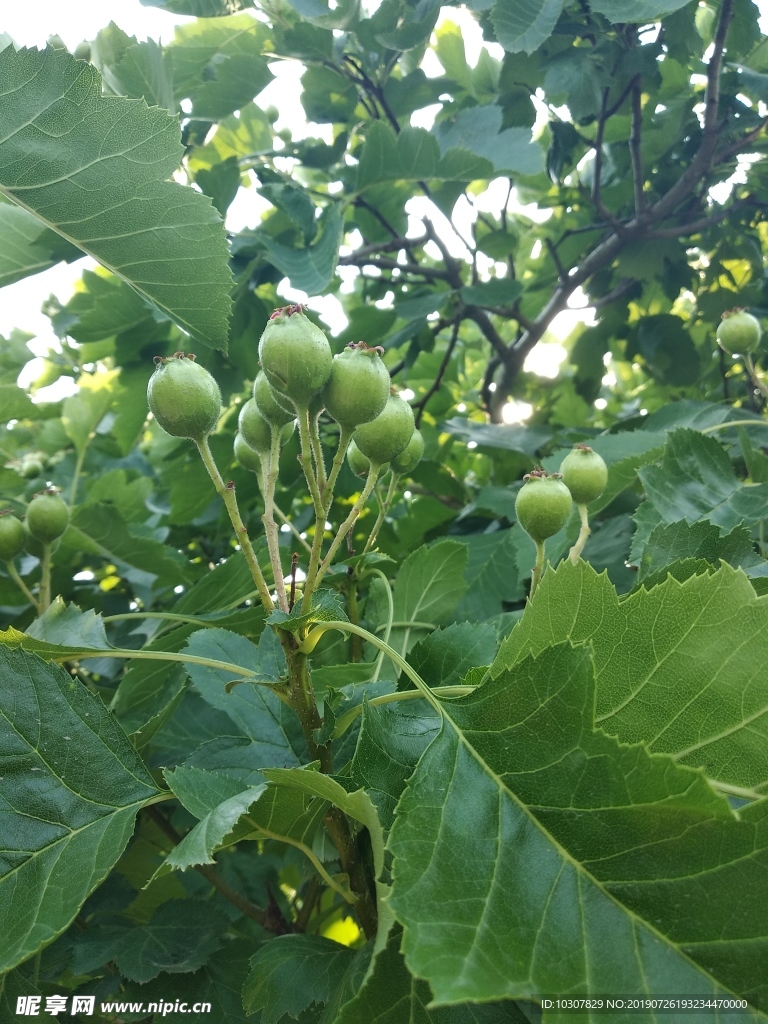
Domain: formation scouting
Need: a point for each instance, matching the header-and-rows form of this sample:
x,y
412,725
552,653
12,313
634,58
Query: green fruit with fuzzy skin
x,y
543,506
584,473
412,455
248,457
269,404
184,398
256,431
358,387
33,546
739,332
358,462
47,517
386,437
295,355
11,537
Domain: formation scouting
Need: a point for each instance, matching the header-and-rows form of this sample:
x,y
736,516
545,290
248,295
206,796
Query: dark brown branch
x,y
621,289
394,246
483,321
635,153
365,205
383,263
694,227
736,147
561,273
598,165
435,385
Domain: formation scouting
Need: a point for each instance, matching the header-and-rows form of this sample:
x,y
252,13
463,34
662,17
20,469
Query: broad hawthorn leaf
x,y
491,573
445,656
29,246
72,784
102,307
694,687
309,269
272,726
478,129
129,68
327,606
428,587
200,8
525,24
696,480
103,185
291,973
526,440
534,854
66,625
629,12
390,993
669,543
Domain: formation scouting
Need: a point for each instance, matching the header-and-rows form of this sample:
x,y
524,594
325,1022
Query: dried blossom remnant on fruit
x,y
288,310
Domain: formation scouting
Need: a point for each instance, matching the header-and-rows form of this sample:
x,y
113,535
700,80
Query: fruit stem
x,y
345,436
317,541
317,451
227,494
581,540
270,468
45,581
383,509
760,384
390,617
538,568
343,723
344,529
13,572
76,474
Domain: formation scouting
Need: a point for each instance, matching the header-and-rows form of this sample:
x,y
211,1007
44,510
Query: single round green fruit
x,y
358,462
386,437
295,355
248,457
543,505
47,516
11,537
412,455
30,468
739,332
35,547
269,404
358,387
255,429
584,473
82,51
183,397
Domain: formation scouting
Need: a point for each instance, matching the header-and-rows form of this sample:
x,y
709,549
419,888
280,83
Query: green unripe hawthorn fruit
x,y
11,537
358,463
248,457
35,547
47,516
82,51
295,355
31,467
257,433
543,505
739,332
183,397
269,403
412,455
358,388
386,437
584,473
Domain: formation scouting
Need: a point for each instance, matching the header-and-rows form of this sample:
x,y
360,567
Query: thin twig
x,y
421,405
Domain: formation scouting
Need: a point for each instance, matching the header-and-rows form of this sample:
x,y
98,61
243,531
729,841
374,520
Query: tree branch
x,y
420,406
635,153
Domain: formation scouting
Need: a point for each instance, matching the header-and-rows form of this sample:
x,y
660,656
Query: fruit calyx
x,y
291,310
362,346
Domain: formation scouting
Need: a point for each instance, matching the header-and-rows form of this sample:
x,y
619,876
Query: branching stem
x,y
538,567
581,540
270,468
383,509
13,572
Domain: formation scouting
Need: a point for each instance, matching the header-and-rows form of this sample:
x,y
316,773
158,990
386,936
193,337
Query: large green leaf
x,y
628,11
95,169
309,269
28,245
533,854
428,588
291,973
71,786
445,656
200,8
695,689
478,129
680,540
525,24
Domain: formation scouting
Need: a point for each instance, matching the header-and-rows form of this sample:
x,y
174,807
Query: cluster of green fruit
x,y
46,520
545,501
300,377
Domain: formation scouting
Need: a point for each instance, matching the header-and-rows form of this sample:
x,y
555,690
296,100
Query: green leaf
x,y
582,851
83,411
15,404
695,690
309,269
390,743
502,291
66,625
669,543
524,24
427,589
72,785
526,440
103,186
291,973
272,726
101,530
390,993
327,606
628,12
102,307
28,246
199,8
128,68
444,657
478,129
697,481
492,575
218,64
